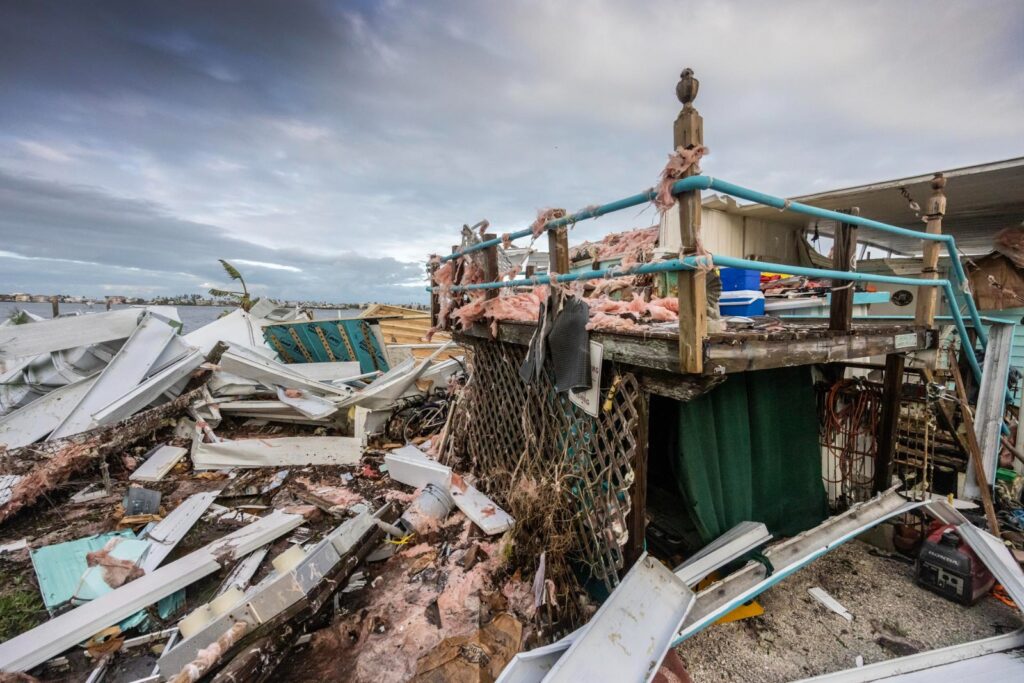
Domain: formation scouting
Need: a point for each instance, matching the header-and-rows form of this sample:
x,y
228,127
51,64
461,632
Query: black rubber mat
x,y
569,346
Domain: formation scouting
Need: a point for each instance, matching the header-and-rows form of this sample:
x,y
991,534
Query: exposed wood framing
x,y
47,465
678,387
934,211
739,352
844,252
974,451
759,355
264,648
891,393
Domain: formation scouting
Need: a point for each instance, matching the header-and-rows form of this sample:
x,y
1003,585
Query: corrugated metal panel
x,y
981,200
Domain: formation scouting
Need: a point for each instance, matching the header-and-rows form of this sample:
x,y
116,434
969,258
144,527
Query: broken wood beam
x,y
974,451
43,467
264,647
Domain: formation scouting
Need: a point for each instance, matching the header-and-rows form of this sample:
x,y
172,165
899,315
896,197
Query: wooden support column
x,y
891,393
491,266
637,519
935,210
55,306
843,258
688,133
558,250
435,298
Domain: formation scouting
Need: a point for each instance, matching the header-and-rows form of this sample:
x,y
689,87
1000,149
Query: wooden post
x,y
891,393
637,519
55,306
843,251
558,250
935,210
491,267
435,298
974,452
688,132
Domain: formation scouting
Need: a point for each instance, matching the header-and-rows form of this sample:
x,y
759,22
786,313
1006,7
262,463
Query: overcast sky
x,y
327,147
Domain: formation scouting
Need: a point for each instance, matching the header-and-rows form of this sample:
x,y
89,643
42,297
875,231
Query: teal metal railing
x,y
701,182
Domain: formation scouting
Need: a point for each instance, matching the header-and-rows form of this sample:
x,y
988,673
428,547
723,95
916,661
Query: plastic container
x,y
428,509
738,279
745,302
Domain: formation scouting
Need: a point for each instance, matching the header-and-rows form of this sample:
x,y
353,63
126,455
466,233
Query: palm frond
x,y
230,270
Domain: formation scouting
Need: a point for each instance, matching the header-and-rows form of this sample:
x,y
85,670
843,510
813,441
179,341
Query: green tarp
x,y
748,450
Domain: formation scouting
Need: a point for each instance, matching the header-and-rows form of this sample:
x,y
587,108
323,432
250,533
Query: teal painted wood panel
x,y
324,341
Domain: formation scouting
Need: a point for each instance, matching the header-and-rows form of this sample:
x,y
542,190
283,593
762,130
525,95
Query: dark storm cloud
x,y
301,132
84,237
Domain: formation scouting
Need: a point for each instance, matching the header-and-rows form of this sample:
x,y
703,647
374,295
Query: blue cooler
x,y
745,302
738,279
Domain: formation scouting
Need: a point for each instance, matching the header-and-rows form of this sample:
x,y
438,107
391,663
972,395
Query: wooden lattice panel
x,y
512,431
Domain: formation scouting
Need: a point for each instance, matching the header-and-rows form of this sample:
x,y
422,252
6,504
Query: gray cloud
x,y
91,240
314,133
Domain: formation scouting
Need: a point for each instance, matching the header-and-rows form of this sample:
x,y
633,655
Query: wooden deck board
x,y
799,343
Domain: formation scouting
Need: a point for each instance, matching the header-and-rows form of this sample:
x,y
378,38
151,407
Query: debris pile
x,y
202,509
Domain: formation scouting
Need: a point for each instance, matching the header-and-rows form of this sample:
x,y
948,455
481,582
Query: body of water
x,y
192,317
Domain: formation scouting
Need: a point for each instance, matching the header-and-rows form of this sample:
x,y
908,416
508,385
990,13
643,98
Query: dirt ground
x,y
797,637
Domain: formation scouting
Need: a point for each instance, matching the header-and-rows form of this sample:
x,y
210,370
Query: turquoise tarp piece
x,y
62,571
748,450
322,341
59,567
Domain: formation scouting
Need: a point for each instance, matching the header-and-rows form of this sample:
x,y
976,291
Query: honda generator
x,y
946,565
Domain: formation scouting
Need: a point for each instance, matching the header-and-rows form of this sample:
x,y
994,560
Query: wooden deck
x,y
801,342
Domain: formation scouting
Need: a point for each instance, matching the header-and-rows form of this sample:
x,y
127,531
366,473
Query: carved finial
x,y
687,87
938,182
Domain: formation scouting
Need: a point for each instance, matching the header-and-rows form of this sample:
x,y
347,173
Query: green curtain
x,y
748,450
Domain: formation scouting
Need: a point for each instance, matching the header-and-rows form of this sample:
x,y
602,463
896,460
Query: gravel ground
x,y
797,637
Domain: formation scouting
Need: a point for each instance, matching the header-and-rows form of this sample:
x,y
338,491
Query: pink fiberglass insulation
x,y
669,302
632,246
543,216
611,323
679,162
521,307
659,310
445,274
413,604
340,496
1010,243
